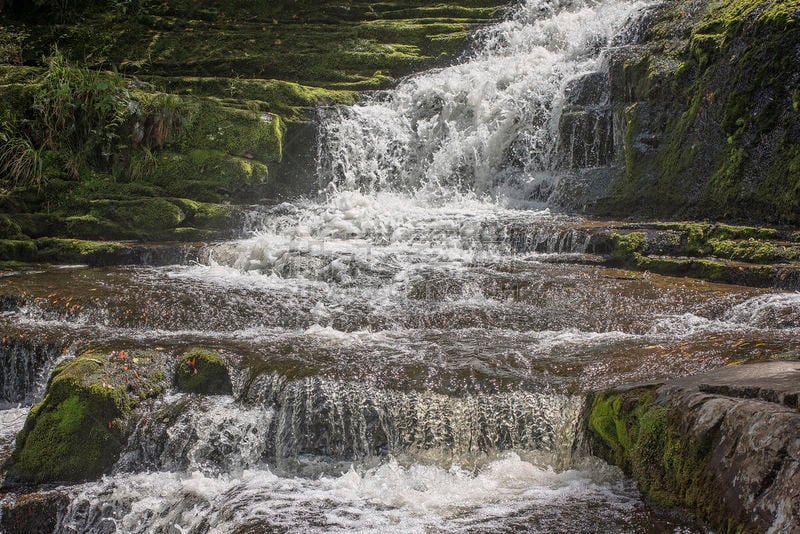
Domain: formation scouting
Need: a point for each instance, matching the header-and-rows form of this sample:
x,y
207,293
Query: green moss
x,y
146,214
625,245
723,119
91,227
292,101
73,411
205,114
77,431
212,166
606,421
753,251
202,371
74,433
632,431
9,229
55,250
238,132
17,250
711,270
205,214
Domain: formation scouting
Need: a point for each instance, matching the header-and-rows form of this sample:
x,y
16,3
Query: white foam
x,y
407,498
687,325
781,310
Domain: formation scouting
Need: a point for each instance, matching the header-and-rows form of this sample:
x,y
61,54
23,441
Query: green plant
x,y
82,111
142,163
20,162
11,44
162,116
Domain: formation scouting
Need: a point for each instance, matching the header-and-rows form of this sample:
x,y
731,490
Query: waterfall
x,y
24,367
403,356
488,125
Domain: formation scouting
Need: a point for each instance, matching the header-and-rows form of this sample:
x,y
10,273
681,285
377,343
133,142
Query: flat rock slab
x,y
747,418
777,382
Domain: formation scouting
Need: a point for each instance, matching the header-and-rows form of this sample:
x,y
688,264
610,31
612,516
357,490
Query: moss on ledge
x,y
745,255
202,371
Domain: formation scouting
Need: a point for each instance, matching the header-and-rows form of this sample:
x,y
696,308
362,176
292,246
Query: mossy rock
x,y
206,215
221,171
142,215
630,429
244,133
9,229
78,430
291,101
707,105
55,250
91,227
202,371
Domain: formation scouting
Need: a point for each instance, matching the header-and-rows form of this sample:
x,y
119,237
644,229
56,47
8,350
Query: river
x,y
410,346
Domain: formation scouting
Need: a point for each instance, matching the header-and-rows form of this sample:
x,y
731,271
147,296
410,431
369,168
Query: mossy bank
x,y
153,121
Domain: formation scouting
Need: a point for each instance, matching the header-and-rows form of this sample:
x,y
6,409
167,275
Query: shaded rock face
x,y
33,513
701,116
726,445
585,133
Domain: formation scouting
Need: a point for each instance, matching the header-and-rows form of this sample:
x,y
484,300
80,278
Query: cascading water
x,y
405,355
487,125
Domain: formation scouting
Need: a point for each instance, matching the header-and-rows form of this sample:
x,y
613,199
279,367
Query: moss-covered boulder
x,y
203,371
78,430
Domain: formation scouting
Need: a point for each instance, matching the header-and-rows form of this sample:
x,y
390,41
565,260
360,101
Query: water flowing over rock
x,y
24,365
411,348
492,122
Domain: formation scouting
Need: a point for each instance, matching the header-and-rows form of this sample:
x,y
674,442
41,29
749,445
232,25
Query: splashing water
x,y
472,126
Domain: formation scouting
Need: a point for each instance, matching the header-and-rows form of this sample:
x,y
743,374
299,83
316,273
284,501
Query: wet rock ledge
x,y
724,445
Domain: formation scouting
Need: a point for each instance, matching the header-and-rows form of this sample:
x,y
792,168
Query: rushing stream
x,y
411,347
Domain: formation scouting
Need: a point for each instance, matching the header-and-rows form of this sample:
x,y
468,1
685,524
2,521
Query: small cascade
x,y
283,421
585,131
24,367
187,433
324,417
765,311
